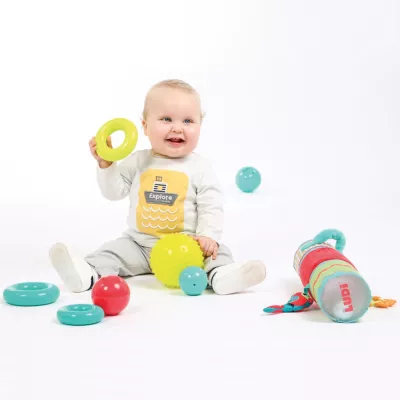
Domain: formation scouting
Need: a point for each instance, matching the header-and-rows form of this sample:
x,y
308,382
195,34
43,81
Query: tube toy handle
x,y
326,235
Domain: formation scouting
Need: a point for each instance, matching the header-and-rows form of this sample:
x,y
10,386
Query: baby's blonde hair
x,y
174,84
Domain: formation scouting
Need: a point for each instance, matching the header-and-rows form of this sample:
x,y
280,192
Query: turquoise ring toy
x,y
28,294
80,314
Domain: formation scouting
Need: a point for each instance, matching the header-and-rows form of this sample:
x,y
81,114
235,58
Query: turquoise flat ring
x,y
80,314
29,294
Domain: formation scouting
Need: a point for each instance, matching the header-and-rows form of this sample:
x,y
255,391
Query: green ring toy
x,y
131,137
27,294
80,314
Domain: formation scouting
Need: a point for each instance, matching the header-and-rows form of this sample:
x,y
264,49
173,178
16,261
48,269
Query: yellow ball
x,y
171,255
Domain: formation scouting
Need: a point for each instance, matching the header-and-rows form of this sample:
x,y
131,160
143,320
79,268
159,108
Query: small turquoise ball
x,y
248,179
193,281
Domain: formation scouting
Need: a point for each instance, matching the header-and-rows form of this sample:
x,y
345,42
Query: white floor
x,y
167,345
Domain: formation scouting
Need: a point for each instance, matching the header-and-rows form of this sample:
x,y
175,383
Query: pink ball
x,y
112,294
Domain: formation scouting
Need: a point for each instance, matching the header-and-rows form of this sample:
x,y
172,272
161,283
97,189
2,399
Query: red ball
x,y
112,294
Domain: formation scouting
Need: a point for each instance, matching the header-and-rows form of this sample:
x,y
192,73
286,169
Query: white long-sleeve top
x,y
166,195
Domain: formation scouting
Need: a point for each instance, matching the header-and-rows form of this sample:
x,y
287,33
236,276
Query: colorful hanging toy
x,y
331,281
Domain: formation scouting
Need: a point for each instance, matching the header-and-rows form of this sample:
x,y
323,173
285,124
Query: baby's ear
x,y
144,124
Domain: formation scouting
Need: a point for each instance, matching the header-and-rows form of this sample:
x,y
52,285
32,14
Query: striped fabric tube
x,y
335,283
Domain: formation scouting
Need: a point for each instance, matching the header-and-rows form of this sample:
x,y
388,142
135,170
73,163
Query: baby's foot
x,y
236,277
76,274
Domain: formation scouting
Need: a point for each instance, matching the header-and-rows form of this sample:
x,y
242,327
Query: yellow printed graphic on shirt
x,y
162,195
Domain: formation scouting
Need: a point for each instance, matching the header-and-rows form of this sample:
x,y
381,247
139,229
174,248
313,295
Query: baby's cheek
x,y
193,132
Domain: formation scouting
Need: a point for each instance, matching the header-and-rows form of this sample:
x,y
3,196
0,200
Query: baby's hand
x,y
208,246
92,146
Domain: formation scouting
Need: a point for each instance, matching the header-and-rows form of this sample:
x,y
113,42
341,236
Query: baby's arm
x,y
210,211
116,180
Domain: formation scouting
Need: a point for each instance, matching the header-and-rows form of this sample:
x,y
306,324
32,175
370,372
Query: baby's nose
x,y
177,127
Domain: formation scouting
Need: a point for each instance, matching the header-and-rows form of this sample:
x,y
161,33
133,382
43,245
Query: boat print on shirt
x,y
162,194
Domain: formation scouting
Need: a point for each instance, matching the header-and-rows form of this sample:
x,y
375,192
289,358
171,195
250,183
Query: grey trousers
x,y
126,258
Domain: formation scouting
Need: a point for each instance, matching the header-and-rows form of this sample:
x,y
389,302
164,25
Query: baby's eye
x,y
188,121
166,119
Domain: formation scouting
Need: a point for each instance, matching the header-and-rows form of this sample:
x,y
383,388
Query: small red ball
x,y
111,293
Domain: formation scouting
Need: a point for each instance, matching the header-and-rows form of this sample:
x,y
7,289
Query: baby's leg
x,y
226,276
122,257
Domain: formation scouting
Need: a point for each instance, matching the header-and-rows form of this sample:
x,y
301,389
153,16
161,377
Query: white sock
x,y
236,277
76,273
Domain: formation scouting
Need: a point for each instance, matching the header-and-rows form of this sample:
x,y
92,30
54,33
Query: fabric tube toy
x,y
329,279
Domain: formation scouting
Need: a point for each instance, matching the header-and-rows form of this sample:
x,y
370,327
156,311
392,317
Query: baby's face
x,y
173,122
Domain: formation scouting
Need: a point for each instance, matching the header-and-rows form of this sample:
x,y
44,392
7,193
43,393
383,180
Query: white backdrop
x,y
305,91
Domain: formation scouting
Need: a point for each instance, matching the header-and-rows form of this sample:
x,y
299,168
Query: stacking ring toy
x,y
80,314
27,294
131,137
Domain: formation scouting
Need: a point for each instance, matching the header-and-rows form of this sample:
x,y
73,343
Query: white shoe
x,y
236,277
76,274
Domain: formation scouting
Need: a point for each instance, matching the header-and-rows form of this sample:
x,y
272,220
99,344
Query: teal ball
x,y
193,281
248,179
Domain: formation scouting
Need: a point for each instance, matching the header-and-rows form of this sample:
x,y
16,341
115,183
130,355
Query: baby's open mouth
x,y
175,140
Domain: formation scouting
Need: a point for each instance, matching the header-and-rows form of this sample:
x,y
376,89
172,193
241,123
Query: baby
x,y
171,190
